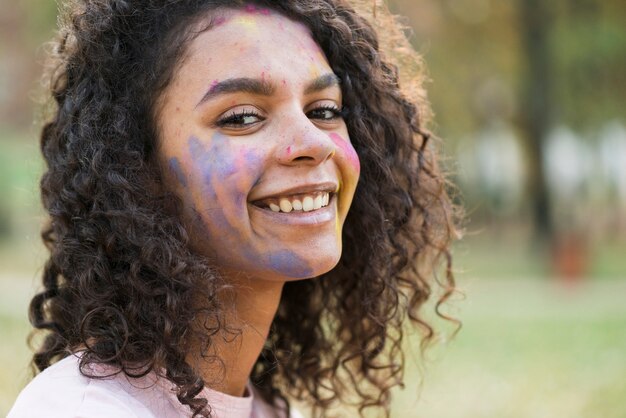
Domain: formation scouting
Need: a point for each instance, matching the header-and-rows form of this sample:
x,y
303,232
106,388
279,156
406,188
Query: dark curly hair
x,y
121,277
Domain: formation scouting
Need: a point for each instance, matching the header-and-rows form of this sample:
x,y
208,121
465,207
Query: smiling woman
x,y
259,138
244,209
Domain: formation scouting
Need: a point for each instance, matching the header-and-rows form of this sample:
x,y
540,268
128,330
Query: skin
x,y
220,162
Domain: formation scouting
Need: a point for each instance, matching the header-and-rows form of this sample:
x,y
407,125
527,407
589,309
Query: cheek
x,y
347,150
224,172
177,172
222,163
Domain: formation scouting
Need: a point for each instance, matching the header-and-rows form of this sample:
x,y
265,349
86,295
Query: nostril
x,y
303,158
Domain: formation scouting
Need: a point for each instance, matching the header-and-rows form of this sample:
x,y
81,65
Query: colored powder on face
x,y
204,163
175,168
288,263
226,161
246,21
348,150
218,21
251,8
200,157
196,148
252,158
257,176
314,71
214,162
213,84
338,226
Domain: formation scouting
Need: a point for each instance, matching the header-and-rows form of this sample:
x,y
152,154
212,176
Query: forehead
x,y
245,40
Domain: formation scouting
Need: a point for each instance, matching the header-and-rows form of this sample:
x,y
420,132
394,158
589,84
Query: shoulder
x,y
62,391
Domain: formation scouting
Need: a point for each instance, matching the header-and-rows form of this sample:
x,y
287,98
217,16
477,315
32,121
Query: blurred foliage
x,y
20,168
484,72
474,51
589,43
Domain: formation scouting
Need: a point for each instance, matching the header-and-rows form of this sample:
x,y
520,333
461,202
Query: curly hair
x,y
121,277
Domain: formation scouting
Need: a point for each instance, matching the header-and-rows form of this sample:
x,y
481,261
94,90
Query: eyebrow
x,y
322,82
263,87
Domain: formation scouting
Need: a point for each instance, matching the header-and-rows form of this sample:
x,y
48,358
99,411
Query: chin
x,y
330,264
314,265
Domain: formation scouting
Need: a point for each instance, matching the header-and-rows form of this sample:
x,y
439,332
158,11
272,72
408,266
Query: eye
x,y
240,119
326,113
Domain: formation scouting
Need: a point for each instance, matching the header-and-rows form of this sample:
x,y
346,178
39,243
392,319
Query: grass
x,y
15,292
528,349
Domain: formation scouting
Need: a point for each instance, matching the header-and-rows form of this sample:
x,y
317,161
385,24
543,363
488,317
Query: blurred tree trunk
x,y
537,105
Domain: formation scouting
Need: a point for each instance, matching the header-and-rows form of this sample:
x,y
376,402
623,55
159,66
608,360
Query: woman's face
x,y
252,141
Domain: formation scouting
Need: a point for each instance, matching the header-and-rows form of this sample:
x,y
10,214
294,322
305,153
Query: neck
x,y
255,304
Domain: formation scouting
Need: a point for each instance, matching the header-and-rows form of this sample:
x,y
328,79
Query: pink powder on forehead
x,y
251,8
220,20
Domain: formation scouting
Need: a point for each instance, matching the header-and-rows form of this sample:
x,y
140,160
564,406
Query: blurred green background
x,y
529,98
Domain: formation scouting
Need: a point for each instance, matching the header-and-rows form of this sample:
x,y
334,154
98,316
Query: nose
x,y
305,144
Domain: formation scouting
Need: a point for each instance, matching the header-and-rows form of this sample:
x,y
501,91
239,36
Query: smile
x,y
305,202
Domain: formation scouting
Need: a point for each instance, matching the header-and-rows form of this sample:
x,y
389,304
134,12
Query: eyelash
x,y
233,120
337,113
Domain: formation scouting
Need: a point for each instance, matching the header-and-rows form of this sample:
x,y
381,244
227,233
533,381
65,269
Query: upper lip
x,y
329,186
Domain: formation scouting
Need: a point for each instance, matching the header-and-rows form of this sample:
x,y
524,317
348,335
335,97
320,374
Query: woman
x,y
243,208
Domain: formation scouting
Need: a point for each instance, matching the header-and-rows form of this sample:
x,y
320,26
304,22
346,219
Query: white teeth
x,y
285,205
317,203
307,204
314,201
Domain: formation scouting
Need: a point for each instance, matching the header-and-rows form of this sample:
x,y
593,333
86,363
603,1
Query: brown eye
x,y
325,113
239,120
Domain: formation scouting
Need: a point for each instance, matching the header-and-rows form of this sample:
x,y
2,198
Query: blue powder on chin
x,y
288,263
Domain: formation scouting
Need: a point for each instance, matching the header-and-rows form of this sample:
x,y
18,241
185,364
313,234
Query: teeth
x,y
307,204
285,205
304,203
317,203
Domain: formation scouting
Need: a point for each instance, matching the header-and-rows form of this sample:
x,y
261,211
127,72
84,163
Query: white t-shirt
x,y
61,391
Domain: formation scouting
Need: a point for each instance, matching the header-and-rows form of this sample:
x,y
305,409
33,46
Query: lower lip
x,y
314,217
